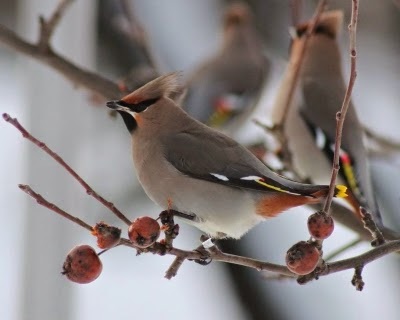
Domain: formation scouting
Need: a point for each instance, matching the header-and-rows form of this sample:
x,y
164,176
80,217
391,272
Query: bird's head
x,y
329,24
237,14
148,101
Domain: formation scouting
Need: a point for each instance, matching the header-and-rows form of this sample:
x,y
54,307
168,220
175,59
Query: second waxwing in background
x,y
225,88
310,123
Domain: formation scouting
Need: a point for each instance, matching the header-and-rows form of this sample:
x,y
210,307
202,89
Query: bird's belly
x,y
218,209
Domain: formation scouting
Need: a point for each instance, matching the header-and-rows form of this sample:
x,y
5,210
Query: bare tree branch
x,y
369,224
341,115
42,201
174,267
59,160
285,94
382,142
217,255
47,27
77,75
296,7
342,249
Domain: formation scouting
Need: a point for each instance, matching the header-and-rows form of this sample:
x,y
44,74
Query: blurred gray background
x,y
181,33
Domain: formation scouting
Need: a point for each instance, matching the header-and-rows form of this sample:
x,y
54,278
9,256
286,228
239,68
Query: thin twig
x,y
381,141
59,160
369,224
286,93
171,230
357,280
296,7
136,31
42,201
48,26
341,115
174,267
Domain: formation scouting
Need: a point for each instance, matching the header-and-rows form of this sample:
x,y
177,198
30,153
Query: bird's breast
x,y
218,209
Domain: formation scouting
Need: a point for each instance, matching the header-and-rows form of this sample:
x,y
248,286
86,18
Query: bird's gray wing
x,y
216,158
318,111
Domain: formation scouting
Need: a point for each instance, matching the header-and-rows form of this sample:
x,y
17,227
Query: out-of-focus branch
x,y
128,42
43,52
342,249
382,141
77,75
47,27
285,94
295,11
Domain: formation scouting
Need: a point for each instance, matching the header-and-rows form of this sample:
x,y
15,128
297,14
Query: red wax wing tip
x,y
122,86
344,156
222,105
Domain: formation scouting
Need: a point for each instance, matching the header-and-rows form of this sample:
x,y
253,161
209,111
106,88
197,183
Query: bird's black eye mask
x,y
122,108
138,107
321,29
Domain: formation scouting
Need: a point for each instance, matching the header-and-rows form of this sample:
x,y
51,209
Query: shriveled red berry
x,y
144,231
82,264
302,258
320,225
107,236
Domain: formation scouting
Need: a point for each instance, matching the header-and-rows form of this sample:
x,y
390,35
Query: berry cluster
x,y
303,257
83,264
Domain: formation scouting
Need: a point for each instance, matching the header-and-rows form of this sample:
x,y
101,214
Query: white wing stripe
x,y
220,176
251,178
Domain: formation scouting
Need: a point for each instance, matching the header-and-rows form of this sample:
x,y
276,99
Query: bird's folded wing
x,y
222,160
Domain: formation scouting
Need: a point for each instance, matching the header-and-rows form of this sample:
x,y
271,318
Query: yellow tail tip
x,y
341,191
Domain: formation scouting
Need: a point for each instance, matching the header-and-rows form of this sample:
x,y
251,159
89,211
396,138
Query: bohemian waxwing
x,y
184,165
224,89
310,123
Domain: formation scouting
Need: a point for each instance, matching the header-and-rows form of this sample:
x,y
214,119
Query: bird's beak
x,y
113,105
116,105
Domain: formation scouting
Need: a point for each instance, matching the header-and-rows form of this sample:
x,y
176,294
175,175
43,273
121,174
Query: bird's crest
x,y
330,23
165,86
237,13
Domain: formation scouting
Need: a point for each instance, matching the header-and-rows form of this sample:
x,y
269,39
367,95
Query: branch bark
x,y
217,255
72,172
77,75
341,115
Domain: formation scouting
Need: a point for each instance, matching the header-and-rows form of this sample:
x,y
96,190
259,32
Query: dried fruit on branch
x,y
144,231
107,236
82,265
302,258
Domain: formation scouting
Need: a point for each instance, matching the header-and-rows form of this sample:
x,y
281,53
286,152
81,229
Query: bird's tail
x,y
340,192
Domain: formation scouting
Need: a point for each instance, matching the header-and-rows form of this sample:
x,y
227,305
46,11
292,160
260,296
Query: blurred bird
x,y
206,177
226,87
310,124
